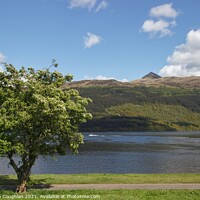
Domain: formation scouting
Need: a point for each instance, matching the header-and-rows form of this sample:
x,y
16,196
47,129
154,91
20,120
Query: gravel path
x,y
166,186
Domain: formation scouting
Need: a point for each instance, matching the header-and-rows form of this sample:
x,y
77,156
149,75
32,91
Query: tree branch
x,y
12,163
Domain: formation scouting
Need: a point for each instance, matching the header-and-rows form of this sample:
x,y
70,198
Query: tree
x,y
38,117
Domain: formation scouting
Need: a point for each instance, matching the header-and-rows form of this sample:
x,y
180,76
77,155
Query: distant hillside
x,y
183,82
149,80
92,83
162,104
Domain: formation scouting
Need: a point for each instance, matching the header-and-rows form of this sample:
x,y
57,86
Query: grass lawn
x,y
104,178
107,194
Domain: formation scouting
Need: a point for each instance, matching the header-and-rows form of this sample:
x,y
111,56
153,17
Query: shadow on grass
x,y
38,184
7,183
7,180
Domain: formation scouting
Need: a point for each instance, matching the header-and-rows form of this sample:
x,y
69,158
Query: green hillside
x,y
159,116
142,108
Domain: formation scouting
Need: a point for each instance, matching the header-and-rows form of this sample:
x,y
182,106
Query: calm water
x,y
126,152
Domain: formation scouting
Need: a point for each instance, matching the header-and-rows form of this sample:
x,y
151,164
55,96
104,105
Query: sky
x,y
102,39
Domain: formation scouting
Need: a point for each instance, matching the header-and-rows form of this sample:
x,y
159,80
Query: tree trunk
x,y
21,188
23,172
22,180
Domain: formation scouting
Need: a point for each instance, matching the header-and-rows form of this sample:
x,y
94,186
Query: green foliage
x,y
36,116
176,117
7,147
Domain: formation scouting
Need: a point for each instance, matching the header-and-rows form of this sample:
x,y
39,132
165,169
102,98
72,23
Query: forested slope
x,y
142,108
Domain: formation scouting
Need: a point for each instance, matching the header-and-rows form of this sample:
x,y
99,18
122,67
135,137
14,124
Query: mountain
x,y
151,75
148,104
183,82
150,79
93,83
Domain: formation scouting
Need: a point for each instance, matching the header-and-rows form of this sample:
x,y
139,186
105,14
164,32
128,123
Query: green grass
x,y
104,178
109,194
106,194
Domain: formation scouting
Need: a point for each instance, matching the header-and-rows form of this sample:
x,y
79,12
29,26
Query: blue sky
x,y
121,39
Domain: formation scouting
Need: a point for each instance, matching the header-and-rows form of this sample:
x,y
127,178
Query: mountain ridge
x,y
182,82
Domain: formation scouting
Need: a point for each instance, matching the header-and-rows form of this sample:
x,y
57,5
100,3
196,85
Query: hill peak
x,y
151,75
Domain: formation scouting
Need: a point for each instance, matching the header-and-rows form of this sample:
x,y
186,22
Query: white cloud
x,y
185,61
100,77
103,5
159,27
164,10
91,40
82,4
89,4
2,57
